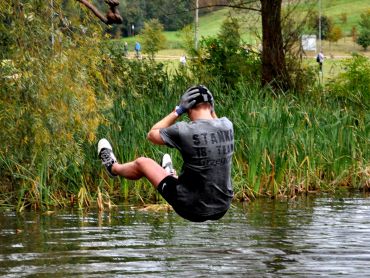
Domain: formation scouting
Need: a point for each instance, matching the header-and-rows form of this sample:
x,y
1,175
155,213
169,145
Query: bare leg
x,y
141,167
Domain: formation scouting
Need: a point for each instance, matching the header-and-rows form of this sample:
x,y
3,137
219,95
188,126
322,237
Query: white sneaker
x,y
106,155
167,164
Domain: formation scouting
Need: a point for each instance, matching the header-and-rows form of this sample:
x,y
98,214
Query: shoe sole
x,y
167,164
166,159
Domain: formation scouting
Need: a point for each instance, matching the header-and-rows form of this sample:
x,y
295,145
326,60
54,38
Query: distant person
x,y
183,60
137,49
203,190
260,48
125,49
320,59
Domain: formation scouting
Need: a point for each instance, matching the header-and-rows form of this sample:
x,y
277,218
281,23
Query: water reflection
x,y
306,237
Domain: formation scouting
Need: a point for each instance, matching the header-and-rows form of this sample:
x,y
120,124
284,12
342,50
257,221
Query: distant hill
x,y
351,8
337,10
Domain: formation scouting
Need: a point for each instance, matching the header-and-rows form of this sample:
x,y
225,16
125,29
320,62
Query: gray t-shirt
x,y
206,147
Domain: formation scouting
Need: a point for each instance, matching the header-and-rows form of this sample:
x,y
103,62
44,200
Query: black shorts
x,y
168,189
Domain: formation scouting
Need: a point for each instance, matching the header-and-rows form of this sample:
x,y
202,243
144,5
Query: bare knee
x,y
150,169
143,162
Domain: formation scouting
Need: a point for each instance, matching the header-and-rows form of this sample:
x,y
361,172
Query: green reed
x,y
291,145
130,119
284,144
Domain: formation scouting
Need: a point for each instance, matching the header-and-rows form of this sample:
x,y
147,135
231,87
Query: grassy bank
x,y
284,145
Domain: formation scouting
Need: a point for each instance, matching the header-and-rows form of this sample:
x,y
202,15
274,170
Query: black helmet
x,y
205,94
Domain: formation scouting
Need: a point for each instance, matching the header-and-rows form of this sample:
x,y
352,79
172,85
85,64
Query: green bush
x,y
353,85
226,57
364,35
152,37
326,25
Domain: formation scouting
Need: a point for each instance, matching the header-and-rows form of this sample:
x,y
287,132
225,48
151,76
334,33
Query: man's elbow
x,y
149,136
152,136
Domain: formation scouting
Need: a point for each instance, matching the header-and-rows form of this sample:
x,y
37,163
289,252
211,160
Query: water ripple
x,y
307,237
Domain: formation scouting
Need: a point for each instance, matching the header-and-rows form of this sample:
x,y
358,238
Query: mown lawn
x,y
209,24
352,9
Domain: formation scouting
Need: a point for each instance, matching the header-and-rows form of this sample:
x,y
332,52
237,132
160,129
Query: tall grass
x,y
284,145
290,144
148,96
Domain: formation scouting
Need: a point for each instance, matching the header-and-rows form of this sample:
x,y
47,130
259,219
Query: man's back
x,y
206,147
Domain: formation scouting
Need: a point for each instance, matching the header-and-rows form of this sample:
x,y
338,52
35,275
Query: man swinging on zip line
x,y
203,190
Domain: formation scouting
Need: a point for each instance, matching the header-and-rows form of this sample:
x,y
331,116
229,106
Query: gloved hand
x,y
188,100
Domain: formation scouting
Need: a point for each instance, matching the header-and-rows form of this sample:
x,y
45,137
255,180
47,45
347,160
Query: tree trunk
x,y
274,71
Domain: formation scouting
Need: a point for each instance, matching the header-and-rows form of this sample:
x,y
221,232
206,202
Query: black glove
x,y
188,100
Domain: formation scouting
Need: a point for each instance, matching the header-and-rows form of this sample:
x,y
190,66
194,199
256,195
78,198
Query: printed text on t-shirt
x,y
220,143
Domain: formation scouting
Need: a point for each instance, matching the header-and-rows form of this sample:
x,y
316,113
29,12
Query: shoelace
x,y
106,157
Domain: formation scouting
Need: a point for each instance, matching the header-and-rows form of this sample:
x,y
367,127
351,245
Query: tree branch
x,y
112,16
231,6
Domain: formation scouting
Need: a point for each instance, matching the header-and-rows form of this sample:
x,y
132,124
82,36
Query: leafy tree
x,y
354,33
343,18
335,34
180,15
133,15
187,38
152,37
49,93
274,70
364,34
314,24
364,39
173,14
230,35
224,57
326,26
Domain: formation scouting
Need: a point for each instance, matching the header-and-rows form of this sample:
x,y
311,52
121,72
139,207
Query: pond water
x,y
304,237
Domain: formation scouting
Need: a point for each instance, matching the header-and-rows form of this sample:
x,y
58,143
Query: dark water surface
x,y
305,237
